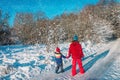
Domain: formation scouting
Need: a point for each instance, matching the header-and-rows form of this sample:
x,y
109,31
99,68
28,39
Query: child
x,y
58,59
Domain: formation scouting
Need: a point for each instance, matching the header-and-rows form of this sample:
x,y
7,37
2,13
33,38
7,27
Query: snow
x,y
114,71
33,62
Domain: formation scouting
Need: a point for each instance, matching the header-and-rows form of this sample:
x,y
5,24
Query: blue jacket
x,y
58,58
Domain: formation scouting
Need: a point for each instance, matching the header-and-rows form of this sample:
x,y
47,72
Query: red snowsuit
x,y
75,50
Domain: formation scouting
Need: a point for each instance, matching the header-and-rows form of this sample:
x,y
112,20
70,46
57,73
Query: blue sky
x,y
50,7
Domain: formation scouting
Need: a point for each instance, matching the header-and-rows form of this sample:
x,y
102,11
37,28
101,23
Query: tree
x,y
31,28
103,29
5,33
24,24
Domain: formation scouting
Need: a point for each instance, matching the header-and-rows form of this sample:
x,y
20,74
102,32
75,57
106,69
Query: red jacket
x,y
75,50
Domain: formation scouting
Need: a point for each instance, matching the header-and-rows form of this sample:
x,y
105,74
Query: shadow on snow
x,y
90,63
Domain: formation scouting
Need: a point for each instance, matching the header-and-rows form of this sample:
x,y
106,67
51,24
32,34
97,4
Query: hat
x,y
75,38
57,50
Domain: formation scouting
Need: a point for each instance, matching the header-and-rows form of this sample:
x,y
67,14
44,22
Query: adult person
x,y
75,51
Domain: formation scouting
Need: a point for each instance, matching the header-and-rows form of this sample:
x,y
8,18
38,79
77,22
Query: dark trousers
x,y
59,66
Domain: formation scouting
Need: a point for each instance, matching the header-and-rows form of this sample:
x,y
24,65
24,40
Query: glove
x,y
67,57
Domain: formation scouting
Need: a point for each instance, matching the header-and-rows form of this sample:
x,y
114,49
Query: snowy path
x,y
96,72
88,63
94,64
113,72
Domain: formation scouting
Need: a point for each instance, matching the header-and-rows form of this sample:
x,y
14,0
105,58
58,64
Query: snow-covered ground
x,y
33,62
